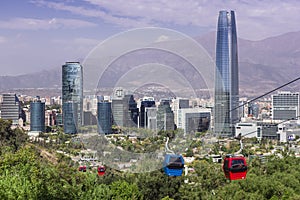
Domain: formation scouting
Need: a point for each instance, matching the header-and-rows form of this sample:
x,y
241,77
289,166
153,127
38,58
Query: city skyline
x,y
52,32
149,101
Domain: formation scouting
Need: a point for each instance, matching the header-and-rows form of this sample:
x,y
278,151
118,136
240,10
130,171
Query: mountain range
x,y
263,65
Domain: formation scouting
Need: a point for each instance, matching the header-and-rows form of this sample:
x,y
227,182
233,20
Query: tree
x,y
11,137
124,190
156,185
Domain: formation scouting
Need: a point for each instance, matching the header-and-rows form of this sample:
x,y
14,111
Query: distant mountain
x,y
39,83
263,66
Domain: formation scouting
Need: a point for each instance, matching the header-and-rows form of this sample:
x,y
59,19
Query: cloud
x,y
96,13
44,24
175,11
268,17
162,38
79,47
134,13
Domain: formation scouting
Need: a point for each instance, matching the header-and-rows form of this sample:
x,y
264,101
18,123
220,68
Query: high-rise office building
x,y
10,107
118,112
151,113
51,117
285,105
124,109
143,118
89,119
131,111
117,107
226,78
177,104
164,116
37,116
70,117
193,120
104,117
72,93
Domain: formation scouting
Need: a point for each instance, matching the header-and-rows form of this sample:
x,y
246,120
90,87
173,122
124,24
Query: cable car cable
x,y
256,98
269,127
292,81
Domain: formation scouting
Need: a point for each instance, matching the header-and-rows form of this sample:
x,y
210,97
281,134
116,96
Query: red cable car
x,y
82,168
101,170
235,167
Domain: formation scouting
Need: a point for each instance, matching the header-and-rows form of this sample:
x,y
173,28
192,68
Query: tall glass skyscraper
x,y
37,116
226,78
72,93
104,117
70,118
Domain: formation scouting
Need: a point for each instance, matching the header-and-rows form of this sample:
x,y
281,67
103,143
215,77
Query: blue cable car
x,y
173,165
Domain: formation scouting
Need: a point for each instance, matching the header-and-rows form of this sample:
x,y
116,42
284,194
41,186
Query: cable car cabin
x,y
101,170
82,168
173,165
235,167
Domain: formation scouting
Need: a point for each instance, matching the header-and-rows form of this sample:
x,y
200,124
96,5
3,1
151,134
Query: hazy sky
x,y
43,34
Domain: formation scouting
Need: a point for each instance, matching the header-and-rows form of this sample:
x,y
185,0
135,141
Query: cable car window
x,y
175,163
237,163
175,159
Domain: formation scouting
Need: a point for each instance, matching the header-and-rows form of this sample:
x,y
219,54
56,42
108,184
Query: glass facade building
x,y
125,111
104,114
193,120
131,111
285,106
226,76
177,104
72,95
118,112
164,116
37,116
151,113
70,117
143,118
10,107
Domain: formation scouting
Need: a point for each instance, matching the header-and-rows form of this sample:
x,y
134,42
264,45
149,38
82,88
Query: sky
x,y
40,35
